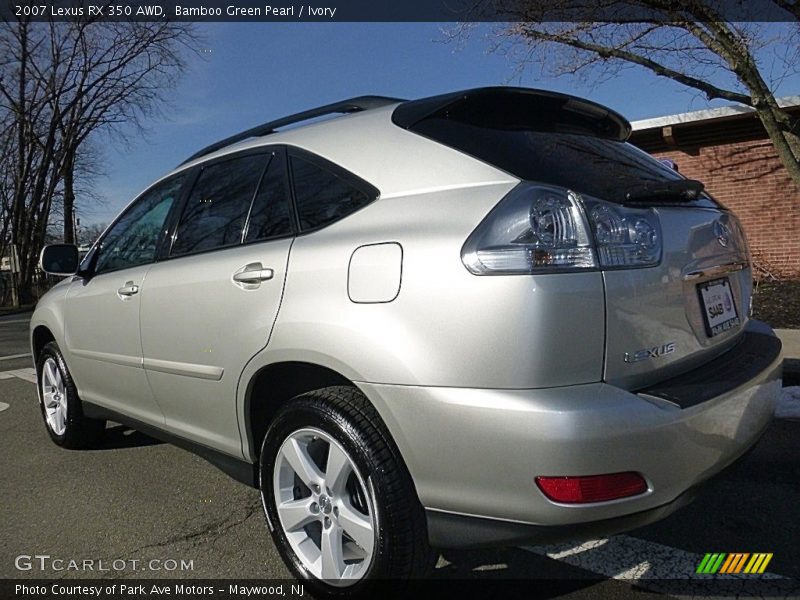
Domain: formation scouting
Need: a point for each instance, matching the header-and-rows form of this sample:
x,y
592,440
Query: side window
x,y
270,216
323,197
216,209
133,239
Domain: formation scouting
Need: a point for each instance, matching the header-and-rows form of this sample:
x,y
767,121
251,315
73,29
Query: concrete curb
x,y
790,338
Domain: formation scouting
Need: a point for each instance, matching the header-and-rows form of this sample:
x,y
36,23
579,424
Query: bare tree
x,y
29,139
61,83
118,74
6,185
88,234
688,41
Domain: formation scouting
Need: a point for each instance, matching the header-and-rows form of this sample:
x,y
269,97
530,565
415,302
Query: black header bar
x,y
391,10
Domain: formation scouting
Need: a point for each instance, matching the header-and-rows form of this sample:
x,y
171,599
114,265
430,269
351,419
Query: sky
x,y
250,73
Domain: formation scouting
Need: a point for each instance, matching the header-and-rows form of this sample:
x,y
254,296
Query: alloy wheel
x,y
54,397
326,510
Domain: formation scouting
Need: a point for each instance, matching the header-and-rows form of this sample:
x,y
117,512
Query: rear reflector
x,y
592,488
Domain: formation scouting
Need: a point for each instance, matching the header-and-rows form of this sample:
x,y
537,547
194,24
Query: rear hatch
x,y
662,319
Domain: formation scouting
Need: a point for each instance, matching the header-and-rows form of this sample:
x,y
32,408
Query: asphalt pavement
x,y
14,347
159,511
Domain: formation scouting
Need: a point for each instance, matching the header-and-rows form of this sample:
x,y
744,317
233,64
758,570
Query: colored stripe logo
x,y
735,562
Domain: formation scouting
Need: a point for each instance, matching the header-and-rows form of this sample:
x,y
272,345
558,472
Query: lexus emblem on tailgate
x,y
655,352
722,232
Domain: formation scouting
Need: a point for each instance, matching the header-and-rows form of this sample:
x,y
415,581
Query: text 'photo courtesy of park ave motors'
x,y
354,307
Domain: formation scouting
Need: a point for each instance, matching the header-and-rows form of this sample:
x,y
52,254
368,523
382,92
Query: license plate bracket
x,y
718,306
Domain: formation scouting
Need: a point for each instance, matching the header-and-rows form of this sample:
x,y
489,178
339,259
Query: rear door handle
x,y
129,289
253,274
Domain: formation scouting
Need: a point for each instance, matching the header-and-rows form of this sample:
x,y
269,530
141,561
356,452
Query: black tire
x,y
79,430
401,552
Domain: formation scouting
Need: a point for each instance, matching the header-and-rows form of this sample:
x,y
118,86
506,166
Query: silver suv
x,y
474,319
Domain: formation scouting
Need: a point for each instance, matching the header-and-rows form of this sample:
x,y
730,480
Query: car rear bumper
x,y
476,452
451,530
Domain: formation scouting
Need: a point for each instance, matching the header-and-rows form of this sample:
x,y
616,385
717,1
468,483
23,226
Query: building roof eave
x,y
710,114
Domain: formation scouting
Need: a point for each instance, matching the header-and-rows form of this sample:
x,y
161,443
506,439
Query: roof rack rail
x,y
345,106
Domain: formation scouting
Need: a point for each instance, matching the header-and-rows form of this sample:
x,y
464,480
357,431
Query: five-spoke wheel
x,y
324,506
339,501
54,396
61,407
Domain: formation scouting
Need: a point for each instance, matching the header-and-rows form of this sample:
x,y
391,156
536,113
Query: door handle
x,y
129,289
253,274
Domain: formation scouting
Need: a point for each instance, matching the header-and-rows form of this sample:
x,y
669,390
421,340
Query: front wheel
x,y
339,501
61,408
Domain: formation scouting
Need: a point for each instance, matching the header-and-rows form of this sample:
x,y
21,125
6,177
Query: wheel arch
x,y
40,337
275,384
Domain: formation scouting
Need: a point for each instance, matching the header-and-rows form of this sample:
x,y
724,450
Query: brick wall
x,y
747,177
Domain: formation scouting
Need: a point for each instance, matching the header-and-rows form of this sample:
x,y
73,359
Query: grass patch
x,y
778,303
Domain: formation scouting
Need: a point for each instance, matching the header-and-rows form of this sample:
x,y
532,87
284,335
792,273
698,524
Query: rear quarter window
x,y
325,194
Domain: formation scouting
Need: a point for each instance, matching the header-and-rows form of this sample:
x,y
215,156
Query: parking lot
x,y
151,507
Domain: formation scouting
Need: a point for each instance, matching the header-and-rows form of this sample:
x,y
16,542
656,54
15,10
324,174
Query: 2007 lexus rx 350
x,y
481,318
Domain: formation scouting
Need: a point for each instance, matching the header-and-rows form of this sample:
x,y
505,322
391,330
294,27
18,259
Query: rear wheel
x,y
61,408
340,503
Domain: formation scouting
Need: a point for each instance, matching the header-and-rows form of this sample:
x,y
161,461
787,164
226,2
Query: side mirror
x,y
59,259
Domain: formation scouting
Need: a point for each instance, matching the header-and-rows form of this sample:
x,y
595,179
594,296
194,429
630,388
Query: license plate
x,y
719,309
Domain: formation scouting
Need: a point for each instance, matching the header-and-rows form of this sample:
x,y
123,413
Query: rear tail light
x,y
625,237
545,229
533,229
592,488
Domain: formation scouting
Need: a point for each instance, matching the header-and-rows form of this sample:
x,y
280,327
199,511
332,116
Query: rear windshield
x,y
598,167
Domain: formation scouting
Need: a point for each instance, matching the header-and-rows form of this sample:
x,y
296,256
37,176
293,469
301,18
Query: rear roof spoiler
x,y
345,106
515,108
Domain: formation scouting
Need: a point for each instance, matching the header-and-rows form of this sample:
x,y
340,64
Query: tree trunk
x,y
790,126
782,145
69,196
776,122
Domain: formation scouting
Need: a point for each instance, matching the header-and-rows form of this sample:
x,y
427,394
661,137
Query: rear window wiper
x,y
678,190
